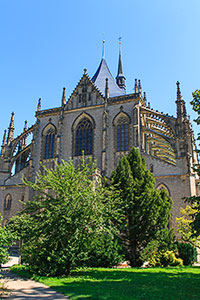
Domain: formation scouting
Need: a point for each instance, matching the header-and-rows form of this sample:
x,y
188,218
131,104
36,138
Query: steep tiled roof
x,y
99,80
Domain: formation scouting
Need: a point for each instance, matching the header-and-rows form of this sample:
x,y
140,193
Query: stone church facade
x,y
105,122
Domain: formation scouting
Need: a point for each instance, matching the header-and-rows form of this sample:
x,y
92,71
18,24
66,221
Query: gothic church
x,y
105,122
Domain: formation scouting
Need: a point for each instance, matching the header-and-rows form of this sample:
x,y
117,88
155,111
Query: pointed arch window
x,y
84,137
162,186
8,202
49,144
122,134
49,134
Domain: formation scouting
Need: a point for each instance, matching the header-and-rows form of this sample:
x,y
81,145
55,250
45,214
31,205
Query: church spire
x,y
120,79
11,129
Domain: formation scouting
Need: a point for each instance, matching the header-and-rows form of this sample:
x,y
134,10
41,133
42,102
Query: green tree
x,y
186,232
65,220
144,209
6,240
195,200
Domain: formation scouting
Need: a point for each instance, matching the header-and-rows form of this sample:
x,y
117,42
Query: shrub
x,y
187,253
164,259
106,252
164,242
168,258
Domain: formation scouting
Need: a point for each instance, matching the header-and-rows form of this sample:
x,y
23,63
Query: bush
x,y
168,258
106,252
187,253
164,259
164,242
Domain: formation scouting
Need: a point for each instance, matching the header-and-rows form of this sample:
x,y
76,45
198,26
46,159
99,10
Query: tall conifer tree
x,y
144,209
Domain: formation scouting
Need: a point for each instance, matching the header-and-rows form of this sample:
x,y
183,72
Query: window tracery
x,y
84,137
122,134
49,142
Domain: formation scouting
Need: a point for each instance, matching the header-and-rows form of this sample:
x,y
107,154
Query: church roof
x,y
99,80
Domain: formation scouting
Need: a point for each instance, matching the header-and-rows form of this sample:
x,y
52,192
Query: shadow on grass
x,y
127,285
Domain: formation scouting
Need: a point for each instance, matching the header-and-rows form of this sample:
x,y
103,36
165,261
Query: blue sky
x,y
46,44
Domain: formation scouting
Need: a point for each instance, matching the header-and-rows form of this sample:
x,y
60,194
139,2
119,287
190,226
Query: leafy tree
x,y
144,209
65,220
186,233
194,201
6,240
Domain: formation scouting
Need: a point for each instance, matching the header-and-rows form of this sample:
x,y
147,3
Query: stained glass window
x,y
84,138
49,144
122,135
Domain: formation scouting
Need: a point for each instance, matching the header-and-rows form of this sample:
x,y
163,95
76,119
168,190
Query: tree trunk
x,y
132,244
133,254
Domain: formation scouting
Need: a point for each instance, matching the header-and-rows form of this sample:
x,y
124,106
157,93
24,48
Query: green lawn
x,y
178,283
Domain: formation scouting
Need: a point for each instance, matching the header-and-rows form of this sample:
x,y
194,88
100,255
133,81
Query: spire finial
x,y
120,42
24,141
180,105
145,97
4,138
3,143
39,105
25,125
63,97
103,49
179,97
11,129
106,89
136,86
139,86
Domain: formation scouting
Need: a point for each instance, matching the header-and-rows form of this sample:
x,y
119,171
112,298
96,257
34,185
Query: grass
x,y
175,283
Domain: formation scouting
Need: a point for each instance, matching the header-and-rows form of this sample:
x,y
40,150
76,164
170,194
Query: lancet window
x,y
84,137
49,135
8,202
122,134
162,186
49,144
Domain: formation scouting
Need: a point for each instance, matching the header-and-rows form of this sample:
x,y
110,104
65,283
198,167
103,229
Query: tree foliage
x,y
163,242
194,201
6,240
144,209
186,232
66,219
188,253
